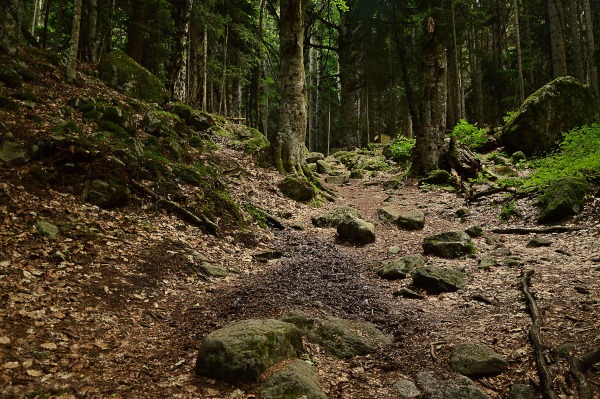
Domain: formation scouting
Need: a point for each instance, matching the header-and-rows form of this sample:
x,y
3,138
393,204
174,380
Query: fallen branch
x,y
544,230
490,191
536,338
197,220
579,366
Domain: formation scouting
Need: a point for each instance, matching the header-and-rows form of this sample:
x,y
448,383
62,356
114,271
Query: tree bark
x,y
46,17
288,144
180,54
430,141
519,56
71,70
59,20
578,53
205,70
589,31
223,100
557,37
92,33
135,32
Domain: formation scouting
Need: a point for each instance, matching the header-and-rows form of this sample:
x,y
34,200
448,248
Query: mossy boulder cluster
x,y
557,107
123,74
562,199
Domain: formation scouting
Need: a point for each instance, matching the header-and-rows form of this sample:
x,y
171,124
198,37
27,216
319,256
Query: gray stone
x,y
438,279
122,73
242,351
340,179
562,199
107,195
394,250
46,230
412,220
120,117
557,107
474,231
295,380
487,262
512,262
14,154
388,214
298,189
538,242
335,216
458,388
338,337
451,244
437,177
323,167
476,359
408,293
213,270
521,391
201,120
407,389
399,269
356,230
313,157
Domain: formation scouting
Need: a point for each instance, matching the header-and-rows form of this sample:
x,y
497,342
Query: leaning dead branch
x,y
579,366
535,336
197,220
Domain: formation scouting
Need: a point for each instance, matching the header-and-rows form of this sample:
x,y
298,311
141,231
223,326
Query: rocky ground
x,y
118,303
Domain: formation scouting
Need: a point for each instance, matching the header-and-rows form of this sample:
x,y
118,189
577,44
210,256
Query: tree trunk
x,y
37,6
319,95
589,31
223,101
59,20
578,53
71,71
205,70
557,38
259,67
10,21
92,40
311,98
429,143
46,17
288,145
180,54
135,32
519,56
349,84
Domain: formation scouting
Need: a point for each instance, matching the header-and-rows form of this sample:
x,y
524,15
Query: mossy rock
x,y
562,199
107,194
14,154
243,350
26,95
7,103
333,217
356,230
559,106
401,268
476,359
450,244
119,116
10,77
295,380
438,279
195,118
297,188
122,73
339,337
437,177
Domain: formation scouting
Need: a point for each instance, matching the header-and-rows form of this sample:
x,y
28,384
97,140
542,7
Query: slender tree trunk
x,y
135,32
519,56
578,53
310,98
46,17
59,21
71,71
223,101
476,77
557,38
92,39
205,70
589,31
319,95
179,62
259,66
456,65
430,142
37,6
288,145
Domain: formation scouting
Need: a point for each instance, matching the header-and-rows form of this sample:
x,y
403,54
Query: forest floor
x,y
124,314
116,306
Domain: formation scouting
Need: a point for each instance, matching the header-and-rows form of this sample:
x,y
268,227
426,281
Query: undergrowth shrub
x,y
577,155
400,149
469,135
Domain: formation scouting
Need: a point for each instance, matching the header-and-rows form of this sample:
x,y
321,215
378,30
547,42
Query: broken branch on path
x,y
579,366
536,337
197,220
544,230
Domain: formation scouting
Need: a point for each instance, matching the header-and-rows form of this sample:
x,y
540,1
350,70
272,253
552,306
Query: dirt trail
x,y
124,315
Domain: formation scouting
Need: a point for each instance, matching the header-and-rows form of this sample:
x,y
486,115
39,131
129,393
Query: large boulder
x,y
242,351
297,188
458,388
356,230
438,279
122,73
476,359
339,337
333,217
557,107
450,244
295,380
399,269
193,117
562,199
411,220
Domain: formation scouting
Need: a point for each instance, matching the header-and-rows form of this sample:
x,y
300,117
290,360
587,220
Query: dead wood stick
x,y
579,366
545,230
197,220
270,219
490,191
535,336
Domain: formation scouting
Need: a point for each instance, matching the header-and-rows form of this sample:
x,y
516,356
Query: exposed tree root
x,y
197,220
490,191
269,219
544,230
536,338
329,194
579,366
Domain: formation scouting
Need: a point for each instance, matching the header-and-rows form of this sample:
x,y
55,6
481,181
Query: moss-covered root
x,y
329,194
